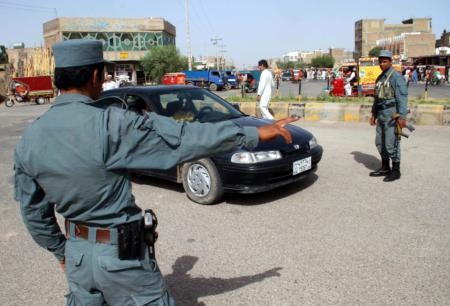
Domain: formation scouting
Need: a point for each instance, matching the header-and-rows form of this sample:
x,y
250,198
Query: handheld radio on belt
x,y
150,234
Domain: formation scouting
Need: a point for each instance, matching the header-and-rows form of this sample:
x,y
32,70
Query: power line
x,y
26,7
206,17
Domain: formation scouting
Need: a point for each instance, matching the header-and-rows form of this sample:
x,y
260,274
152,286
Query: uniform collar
x,y
388,71
71,98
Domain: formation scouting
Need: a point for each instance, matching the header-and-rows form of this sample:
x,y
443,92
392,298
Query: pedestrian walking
x,y
264,92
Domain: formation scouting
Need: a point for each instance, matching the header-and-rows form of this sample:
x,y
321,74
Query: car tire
x,y
227,86
202,181
212,87
190,83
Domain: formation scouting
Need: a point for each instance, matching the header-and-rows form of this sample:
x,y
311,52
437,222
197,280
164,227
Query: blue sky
x,y
250,29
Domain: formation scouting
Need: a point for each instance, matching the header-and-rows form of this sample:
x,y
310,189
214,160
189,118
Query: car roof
x,y
153,88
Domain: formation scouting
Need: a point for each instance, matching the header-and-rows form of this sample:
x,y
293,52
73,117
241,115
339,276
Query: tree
x,y
323,61
374,52
160,60
288,65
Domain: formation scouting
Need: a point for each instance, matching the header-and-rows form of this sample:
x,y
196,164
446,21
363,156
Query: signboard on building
x,y
123,55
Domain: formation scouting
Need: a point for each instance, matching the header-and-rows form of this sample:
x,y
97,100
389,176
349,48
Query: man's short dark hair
x,y
263,63
76,77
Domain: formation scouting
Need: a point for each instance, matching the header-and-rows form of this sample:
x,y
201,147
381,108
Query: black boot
x,y
384,170
394,174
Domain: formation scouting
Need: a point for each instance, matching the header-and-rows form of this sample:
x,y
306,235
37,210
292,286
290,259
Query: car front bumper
x,y
241,178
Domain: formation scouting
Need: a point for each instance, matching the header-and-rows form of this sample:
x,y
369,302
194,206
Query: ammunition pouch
x,y
384,90
130,240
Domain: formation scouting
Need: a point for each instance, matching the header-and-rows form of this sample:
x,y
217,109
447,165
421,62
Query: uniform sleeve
x,y
158,142
401,96
37,213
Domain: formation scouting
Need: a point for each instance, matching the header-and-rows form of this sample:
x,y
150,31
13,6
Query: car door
x,y
141,104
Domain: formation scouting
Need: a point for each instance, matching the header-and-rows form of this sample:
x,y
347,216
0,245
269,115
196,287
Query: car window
x,y
195,105
136,104
165,99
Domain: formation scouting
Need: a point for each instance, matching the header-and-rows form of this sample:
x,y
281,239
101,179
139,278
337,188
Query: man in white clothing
x,y
109,83
264,89
348,82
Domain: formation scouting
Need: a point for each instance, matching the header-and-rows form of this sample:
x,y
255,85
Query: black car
x,y
270,165
286,76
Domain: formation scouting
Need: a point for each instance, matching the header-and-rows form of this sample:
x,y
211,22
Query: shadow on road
x,y
371,162
187,289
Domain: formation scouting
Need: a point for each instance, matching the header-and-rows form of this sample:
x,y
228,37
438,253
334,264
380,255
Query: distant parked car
x,y
286,76
270,165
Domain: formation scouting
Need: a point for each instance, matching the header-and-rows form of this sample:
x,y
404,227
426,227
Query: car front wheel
x,y
202,181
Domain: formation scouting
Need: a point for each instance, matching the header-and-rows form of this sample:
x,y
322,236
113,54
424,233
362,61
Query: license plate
x,y
301,165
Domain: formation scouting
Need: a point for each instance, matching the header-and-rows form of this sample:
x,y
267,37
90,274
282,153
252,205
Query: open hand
x,y
269,132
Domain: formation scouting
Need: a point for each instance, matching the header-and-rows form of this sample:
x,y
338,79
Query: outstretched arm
x,y
269,132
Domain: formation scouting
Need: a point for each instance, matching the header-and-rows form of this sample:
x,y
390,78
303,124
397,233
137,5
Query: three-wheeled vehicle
x,y
38,89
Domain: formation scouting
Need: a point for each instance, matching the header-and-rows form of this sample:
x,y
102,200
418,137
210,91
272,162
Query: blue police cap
x,y
78,52
385,53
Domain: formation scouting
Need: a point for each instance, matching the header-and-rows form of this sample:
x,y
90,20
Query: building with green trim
x,y
125,40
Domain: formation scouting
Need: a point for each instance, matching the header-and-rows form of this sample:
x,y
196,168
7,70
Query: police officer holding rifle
x,y
389,112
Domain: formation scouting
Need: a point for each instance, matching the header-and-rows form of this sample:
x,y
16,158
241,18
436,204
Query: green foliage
x,y
323,61
160,60
289,65
374,52
3,55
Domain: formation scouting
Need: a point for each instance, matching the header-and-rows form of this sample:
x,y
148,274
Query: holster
x,y
130,240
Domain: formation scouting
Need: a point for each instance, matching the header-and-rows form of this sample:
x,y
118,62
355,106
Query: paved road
x,y
339,237
312,88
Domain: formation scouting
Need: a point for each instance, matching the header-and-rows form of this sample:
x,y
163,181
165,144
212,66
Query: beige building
x,y
409,45
369,31
125,40
444,41
341,55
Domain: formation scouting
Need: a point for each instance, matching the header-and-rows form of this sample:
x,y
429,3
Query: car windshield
x,y
195,104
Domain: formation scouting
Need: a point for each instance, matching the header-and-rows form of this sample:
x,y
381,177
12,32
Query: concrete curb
x,y
422,114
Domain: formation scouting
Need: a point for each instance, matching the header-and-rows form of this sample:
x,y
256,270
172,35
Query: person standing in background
x,y
109,83
264,89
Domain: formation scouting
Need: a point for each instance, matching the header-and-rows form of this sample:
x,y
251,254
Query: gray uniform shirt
x,y
75,157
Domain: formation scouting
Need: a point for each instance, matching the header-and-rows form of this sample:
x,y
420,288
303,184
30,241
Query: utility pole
x,y
214,42
188,34
222,51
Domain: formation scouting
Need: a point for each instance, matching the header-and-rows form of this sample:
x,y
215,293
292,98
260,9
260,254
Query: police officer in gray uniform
x,y
388,110
74,159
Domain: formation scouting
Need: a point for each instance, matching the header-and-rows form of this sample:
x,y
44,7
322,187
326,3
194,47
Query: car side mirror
x,y
236,106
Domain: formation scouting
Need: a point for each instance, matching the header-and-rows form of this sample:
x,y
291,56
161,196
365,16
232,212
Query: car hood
x,y
300,137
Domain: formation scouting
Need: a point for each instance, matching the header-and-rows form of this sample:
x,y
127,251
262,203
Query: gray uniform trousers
x,y
385,139
96,276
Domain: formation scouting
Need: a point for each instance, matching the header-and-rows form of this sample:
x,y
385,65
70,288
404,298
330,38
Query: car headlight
x,y
254,157
312,143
